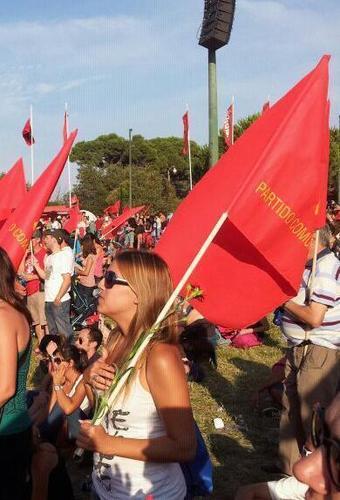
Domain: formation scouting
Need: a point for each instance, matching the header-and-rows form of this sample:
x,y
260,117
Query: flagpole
x,y
189,152
32,146
232,120
68,161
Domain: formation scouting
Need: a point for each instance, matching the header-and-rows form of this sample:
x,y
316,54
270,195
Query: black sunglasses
x,y
321,436
55,359
111,278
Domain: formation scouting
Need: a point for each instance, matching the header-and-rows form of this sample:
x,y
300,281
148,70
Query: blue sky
x,y
136,63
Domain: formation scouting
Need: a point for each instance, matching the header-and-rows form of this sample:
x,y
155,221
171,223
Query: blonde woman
x,y
149,428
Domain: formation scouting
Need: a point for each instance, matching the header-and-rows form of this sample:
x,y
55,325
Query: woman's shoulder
x,y
9,316
162,355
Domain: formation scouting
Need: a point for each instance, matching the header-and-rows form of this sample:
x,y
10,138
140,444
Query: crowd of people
x,y
88,298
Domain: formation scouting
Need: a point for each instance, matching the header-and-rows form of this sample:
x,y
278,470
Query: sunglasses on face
x,y
55,359
111,278
321,436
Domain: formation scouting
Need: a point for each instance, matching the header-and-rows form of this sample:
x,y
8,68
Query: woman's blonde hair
x,y
149,277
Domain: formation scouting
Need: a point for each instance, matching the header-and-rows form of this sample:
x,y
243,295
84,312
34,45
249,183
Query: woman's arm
x,y
8,356
168,387
85,271
70,403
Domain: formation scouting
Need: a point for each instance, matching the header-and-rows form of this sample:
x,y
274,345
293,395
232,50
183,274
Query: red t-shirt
x,y
33,286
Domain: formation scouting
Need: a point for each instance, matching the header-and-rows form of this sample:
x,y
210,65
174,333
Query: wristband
x,y
57,387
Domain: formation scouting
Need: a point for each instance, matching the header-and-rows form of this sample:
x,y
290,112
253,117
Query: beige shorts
x,y
36,306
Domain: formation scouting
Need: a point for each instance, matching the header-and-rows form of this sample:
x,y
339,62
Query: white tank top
x,y
120,478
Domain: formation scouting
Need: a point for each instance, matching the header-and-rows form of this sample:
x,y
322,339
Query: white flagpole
x,y
68,162
189,152
32,146
232,120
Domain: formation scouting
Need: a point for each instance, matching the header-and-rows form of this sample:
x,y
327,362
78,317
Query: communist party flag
x,y
110,230
73,220
12,189
185,149
228,126
272,186
18,228
27,133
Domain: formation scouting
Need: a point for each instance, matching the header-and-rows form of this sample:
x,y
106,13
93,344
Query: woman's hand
x,y
58,374
94,438
100,375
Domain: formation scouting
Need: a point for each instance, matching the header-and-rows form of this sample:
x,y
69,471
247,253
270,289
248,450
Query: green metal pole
x,y
213,123
130,169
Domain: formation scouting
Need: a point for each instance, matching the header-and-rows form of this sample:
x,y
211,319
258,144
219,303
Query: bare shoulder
x,y
10,317
163,355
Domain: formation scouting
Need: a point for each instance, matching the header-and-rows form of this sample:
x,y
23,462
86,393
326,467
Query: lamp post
x,y
130,168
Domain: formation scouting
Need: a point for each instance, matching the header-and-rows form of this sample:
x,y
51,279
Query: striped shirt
x,y
326,290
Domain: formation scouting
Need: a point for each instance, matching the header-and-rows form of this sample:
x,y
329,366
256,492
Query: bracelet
x,y
57,387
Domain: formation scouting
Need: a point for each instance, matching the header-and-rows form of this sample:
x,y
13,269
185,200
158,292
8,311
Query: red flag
x,y
228,126
111,229
185,149
18,228
65,127
269,182
27,133
12,189
113,209
74,219
265,107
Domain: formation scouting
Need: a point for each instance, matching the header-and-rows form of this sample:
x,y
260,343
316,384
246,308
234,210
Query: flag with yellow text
x,y
272,183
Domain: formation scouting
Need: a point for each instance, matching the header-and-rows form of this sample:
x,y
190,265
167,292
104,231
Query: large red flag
x,y
185,149
111,229
73,220
27,133
18,228
12,189
228,126
270,183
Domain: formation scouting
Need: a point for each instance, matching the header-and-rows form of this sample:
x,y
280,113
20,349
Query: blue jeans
x,y
58,318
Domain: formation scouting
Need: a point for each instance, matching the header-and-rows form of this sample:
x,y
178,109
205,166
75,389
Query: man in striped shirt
x,y
311,325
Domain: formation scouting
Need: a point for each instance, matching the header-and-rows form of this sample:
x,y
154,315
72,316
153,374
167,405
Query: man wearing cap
x,y
35,286
57,274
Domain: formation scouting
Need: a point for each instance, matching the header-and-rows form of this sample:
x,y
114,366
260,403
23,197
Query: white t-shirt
x,y
70,256
287,488
56,265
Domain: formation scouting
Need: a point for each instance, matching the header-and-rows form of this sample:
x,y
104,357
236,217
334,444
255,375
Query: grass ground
x,y
249,439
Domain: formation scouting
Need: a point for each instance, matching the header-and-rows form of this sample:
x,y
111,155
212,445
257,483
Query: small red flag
x,y
110,230
18,228
65,127
113,209
228,126
270,183
27,133
265,107
185,149
74,219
